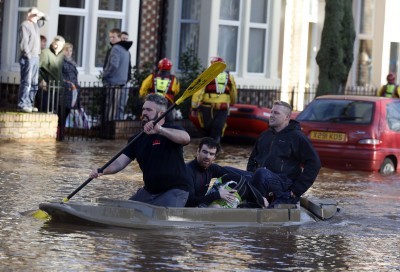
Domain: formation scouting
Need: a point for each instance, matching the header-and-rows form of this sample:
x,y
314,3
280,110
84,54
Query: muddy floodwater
x,y
364,236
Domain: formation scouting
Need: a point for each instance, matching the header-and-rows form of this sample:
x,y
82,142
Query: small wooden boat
x,y
138,215
244,122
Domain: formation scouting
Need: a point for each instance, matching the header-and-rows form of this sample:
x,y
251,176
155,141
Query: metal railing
x,y
98,107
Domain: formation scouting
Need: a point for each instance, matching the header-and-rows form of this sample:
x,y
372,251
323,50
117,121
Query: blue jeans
x,y
171,198
123,100
268,182
116,99
29,81
246,174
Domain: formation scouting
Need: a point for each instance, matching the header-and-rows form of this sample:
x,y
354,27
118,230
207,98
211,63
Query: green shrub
x,y
190,68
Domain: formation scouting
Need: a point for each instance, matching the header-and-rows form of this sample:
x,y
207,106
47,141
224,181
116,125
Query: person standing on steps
x,y
50,73
29,41
115,75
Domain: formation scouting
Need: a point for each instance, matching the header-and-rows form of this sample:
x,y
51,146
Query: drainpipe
x,y
162,29
138,41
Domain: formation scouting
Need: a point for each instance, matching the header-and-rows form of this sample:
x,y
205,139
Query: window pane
x,y
259,11
255,60
367,10
103,26
229,10
364,62
191,9
72,4
115,5
71,28
227,45
189,39
393,116
394,58
28,3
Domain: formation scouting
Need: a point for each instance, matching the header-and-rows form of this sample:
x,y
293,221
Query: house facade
x,y
264,42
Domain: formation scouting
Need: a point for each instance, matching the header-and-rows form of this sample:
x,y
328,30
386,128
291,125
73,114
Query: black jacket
x,y
199,181
288,152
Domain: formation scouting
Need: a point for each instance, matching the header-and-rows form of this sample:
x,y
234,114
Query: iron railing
x,y
94,116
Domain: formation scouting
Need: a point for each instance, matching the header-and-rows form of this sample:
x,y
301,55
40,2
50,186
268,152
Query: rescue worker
x,y
162,83
390,89
212,103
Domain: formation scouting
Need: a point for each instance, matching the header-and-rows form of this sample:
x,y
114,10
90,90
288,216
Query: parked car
x,y
354,132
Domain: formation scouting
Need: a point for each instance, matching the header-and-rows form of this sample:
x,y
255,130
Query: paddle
x,y
200,82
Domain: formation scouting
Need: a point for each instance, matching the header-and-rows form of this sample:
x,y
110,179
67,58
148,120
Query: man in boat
x,y
159,152
213,102
162,83
201,171
284,162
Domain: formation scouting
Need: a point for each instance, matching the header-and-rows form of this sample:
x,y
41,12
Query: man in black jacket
x,y
201,170
283,159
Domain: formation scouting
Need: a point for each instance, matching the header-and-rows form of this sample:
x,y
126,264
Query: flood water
x,y
364,236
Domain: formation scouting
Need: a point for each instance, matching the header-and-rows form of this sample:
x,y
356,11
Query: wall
x,y
28,126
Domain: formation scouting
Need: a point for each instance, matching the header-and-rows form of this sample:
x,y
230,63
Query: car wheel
x,y
387,167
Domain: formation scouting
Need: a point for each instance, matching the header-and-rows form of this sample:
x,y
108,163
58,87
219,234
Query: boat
x,y
245,122
138,215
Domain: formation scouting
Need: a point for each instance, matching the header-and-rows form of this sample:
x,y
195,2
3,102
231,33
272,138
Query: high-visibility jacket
x,y
219,93
166,85
389,90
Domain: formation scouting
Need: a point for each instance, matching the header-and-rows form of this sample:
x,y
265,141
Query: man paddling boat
x,y
160,157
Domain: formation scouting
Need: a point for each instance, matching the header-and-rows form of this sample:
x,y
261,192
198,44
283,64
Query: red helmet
x,y
391,78
165,64
216,59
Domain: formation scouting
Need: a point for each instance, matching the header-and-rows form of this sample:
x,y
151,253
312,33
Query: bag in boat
x,y
221,203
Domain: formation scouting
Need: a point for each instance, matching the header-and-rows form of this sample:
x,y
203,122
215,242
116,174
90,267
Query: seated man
x,y
284,161
201,170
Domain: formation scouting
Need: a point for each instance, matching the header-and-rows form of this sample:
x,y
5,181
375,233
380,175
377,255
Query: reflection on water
x,y
363,236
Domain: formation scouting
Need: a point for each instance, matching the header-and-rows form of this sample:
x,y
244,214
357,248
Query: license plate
x,y
328,136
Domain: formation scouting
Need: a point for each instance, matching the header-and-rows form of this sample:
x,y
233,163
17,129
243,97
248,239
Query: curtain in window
x,y
228,44
256,51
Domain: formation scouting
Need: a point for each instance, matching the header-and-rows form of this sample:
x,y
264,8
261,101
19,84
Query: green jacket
x,y
50,65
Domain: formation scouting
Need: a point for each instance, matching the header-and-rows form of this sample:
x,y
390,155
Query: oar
x,y
200,82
